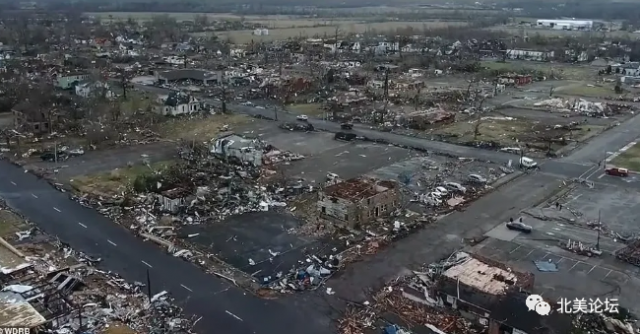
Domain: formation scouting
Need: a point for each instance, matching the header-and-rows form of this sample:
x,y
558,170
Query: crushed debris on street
x,y
48,285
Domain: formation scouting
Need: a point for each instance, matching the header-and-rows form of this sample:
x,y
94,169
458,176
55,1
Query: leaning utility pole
x,y
148,284
223,97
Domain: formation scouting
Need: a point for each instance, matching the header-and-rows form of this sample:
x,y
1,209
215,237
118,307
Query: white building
x,y
566,24
91,89
261,32
527,54
179,103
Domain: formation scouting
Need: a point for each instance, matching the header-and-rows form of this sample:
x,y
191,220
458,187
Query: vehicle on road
x,y
519,226
455,187
478,179
615,171
528,163
346,126
303,118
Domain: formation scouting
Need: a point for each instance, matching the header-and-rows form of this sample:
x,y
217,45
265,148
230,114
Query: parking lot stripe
x,y
605,276
515,249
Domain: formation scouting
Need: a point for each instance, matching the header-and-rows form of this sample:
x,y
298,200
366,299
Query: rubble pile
x,y
390,304
315,271
600,323
202,189
583,107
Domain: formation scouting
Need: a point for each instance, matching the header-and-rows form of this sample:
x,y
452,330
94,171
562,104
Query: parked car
x,y
51,157
475,178
442,190
434,194
303,118
455,187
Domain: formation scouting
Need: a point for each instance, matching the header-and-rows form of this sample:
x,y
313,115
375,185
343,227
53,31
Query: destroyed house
x,y
171,200
197,76
492,294
232,146
358,201
35,300
32,117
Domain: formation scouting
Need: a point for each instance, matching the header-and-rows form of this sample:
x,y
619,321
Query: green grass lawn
x,y
629,159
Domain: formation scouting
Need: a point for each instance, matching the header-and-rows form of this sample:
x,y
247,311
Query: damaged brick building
x,y
487,292
358,201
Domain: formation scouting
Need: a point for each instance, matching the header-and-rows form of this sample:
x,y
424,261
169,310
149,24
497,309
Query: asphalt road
x,y
361,130
221,305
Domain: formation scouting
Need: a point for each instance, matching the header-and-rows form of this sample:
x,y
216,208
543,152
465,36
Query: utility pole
x,y
80,319
386,94
599,227
123,81
148,284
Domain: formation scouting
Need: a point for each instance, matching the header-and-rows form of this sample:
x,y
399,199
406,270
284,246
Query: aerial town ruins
x,y
293,166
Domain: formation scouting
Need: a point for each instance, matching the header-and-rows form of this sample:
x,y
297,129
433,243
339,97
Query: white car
x,y
434,194
455,187
528,163
442,190
475,178
302,118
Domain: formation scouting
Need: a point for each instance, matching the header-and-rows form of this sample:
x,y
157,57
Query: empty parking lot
x,y
577,277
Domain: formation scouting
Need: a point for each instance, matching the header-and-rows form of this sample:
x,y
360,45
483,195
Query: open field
x,y
563,71
584,90
116,181
246,36
200,128
271,21
629,159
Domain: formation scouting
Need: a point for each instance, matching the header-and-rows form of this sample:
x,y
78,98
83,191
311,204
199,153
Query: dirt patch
x,y
629,159
200,128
